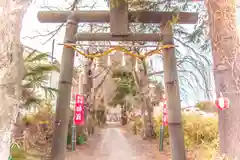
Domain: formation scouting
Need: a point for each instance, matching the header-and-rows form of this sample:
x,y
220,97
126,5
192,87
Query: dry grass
x,y
201,136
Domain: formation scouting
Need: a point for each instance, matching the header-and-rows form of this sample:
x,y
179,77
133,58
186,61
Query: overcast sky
x,y
32,27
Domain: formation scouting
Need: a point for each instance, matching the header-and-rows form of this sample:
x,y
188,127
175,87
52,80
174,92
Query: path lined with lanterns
x,y
113,144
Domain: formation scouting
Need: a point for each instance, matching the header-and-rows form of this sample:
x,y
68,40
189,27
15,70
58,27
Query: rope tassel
x,y
123,59
136,65
109,63
96,63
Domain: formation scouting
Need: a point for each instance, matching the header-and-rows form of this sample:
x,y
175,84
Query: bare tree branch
x,y
53,33
102,81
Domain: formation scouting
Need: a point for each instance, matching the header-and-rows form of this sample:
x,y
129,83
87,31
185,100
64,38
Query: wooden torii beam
x,y
119,17
104,16
154,37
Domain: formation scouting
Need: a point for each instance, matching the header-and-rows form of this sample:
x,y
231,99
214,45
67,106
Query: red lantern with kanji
x,y
79,110
222,102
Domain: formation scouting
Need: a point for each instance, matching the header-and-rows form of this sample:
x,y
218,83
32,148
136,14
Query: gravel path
x,y
114,146
112,143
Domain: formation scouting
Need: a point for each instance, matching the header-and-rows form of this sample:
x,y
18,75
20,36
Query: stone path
x,y
112,143
115,146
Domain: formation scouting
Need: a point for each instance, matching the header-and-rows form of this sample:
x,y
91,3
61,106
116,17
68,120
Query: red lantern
x,y
164,98
222,102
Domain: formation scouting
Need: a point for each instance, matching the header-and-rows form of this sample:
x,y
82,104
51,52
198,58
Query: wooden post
x,y
104,17
63,99
173,96
154,37
119,13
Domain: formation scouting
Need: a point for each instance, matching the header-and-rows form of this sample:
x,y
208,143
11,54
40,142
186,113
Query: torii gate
x,y
118,17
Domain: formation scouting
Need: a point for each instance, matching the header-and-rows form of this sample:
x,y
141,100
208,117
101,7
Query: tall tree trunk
x,y
87,90
226,50
142,83
149,126
11,68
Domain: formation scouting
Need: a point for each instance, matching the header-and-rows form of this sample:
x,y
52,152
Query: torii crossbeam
x,y
119,18
104,16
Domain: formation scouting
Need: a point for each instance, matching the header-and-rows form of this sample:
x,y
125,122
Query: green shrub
x,y
69,139
101,116
137,125
207,106
157,124
29,119
80,140
199,129
208,150
199,132
17,153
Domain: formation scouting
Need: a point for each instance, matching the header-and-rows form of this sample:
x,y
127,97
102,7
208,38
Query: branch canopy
x,y
104,16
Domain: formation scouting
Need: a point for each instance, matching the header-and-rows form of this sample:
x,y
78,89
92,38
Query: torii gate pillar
x,y
64,94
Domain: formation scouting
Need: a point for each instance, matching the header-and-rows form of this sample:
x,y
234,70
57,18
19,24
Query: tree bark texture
x,y
146,109
173,96
226,50
11,68
87,90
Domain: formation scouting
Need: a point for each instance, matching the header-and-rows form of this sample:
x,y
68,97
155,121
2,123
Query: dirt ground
x,y
115,143
147,148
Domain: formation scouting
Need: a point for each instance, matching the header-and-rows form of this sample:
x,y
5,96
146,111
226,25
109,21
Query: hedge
x,y
199,132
